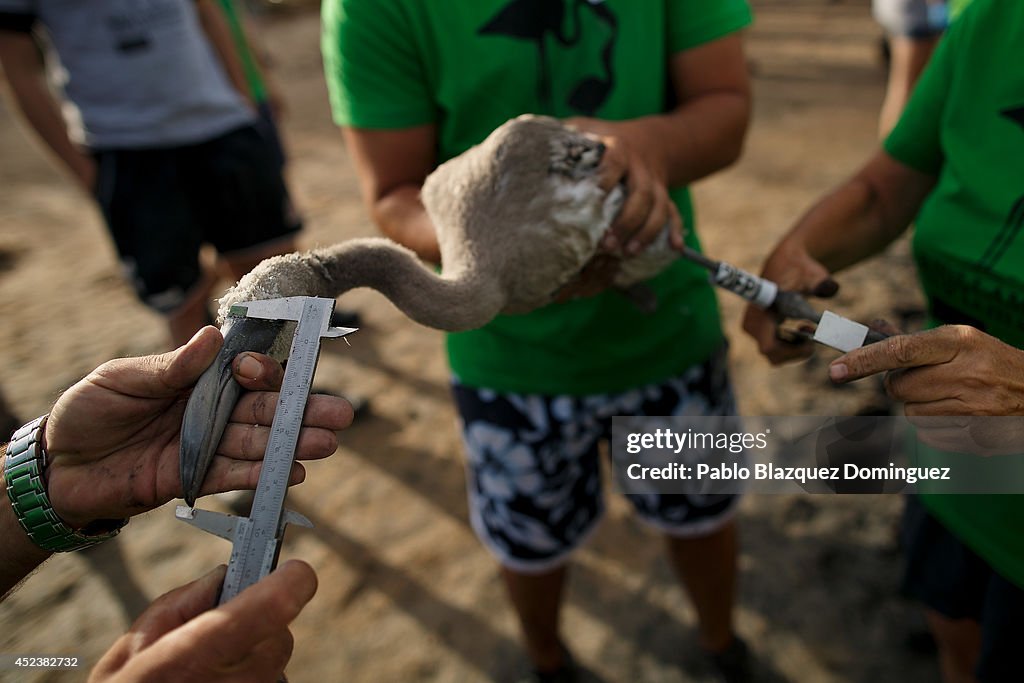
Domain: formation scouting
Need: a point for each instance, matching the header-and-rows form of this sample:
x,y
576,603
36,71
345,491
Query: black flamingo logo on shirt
x,y
538,20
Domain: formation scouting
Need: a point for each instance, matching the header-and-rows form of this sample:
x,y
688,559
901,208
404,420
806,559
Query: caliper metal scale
x,y
256,539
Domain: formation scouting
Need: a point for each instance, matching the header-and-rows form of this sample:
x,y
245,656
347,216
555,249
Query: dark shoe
x,y
566,673
733,664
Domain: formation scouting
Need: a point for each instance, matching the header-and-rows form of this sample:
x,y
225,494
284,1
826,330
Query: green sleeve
x,y
374,74
917,138
692,23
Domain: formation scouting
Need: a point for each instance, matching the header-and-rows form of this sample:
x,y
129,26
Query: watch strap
x,y
24,475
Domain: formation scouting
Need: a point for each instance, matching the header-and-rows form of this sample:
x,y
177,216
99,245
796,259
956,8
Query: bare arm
x,y
855,221
264,63
863,216
27,77
20,556
219,34
392,165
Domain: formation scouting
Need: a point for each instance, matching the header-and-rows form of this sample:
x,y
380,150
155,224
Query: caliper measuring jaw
x,y
256,539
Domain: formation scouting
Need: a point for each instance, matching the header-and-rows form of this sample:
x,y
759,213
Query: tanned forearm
x,y
219,34
400,216
20,556
391,165
26,75
862,216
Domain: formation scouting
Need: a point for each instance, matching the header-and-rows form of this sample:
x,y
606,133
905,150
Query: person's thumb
x,y
818,280
826,289
181,368
163,375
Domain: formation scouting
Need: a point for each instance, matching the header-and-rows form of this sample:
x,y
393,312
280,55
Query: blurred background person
x,y
150,123
912,29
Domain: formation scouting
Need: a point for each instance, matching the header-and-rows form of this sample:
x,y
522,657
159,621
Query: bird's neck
x,y
462,298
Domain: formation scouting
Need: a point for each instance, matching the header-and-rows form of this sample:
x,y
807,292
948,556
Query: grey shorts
x,y
911,18
533,465
161,206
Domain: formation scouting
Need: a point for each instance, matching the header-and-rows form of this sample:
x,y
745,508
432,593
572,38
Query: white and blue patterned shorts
x,y
533,467
911,18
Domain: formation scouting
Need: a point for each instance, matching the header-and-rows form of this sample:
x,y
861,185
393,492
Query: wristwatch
x,y
24,469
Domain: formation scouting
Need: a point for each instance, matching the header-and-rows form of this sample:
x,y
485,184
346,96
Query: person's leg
x,y
699,526
194,313
533,498
912,28
238,263
246,210
1002,631
537,600
146,203
908,58
706,566
959,644
951,582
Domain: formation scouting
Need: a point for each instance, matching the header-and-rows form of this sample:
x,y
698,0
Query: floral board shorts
x,y
533,469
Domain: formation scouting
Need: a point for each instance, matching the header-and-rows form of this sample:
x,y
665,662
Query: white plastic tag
x,y
840,333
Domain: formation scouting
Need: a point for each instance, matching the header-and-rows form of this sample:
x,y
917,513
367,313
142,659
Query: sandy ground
x,y
406,592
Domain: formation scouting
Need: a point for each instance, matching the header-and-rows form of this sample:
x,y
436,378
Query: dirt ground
x,y
406,592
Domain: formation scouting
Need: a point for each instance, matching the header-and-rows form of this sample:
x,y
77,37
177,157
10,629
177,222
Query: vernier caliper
x,y
256,539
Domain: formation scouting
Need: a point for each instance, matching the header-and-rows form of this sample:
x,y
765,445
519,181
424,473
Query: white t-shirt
x,y
140,73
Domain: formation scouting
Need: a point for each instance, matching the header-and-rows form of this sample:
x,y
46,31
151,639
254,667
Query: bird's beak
x,y
214,397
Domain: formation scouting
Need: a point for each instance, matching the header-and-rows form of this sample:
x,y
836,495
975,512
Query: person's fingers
x,y
885,327
762,326
249,442
230,474
177,607
676,229
826,288
250,628
162,375
658,217
112,660
933,347
943,407
614,164
258,613
918,385
950,438
266,661
257,372
640,197
322,410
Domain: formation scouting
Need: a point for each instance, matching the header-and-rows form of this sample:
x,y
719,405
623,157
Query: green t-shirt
x,y
956,8
964,124
468,66
252,70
